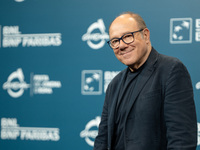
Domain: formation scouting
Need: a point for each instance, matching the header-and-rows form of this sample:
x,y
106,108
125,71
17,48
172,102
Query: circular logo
x,y
93,38
16,88
197,85
90,134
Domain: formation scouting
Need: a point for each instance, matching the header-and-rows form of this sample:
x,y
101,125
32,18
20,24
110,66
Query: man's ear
x,y
146,34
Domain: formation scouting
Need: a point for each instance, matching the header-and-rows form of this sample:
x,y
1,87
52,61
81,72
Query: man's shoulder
x,y
165,58
169,60
169,65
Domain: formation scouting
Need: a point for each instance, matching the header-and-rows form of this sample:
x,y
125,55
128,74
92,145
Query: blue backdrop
x,y
55,64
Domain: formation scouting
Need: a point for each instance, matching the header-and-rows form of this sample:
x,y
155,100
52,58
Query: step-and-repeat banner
x,y
56,65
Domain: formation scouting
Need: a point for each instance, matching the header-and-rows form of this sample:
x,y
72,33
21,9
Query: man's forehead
x,y
124,17
122,25
123,20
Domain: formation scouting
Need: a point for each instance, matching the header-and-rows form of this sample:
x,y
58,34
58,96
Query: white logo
x,y
89,134
198,142
43,85
15,84
197,35
94,38
19,0
198,85
40,84
91,82
108,76
10,130
12,37
180,30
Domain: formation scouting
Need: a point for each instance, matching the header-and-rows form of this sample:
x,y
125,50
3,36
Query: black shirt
x,y
125,92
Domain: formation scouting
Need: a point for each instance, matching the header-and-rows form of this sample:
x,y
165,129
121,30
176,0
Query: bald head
x,y
128,16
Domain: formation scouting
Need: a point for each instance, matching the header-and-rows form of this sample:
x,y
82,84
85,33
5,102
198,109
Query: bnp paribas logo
x,y
180,30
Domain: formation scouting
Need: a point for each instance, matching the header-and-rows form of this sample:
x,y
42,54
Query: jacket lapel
x,y
115,98
143,77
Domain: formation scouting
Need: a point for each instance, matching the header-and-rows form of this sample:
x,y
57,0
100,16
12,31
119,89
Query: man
x,y
149,105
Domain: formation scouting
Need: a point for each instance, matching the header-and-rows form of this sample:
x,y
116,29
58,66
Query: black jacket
x,y
161,114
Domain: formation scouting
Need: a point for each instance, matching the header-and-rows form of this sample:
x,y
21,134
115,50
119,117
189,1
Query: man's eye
x,y
114,41
127,36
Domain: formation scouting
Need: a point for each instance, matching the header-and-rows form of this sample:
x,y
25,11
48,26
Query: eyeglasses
x,y
126,38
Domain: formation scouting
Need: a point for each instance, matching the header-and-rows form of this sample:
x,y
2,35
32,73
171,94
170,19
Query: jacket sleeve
x,y
102,137
179,110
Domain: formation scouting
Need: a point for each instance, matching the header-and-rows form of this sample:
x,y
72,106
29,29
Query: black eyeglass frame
x,y
121,38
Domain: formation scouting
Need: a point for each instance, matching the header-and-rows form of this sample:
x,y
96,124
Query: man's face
x,y
135,53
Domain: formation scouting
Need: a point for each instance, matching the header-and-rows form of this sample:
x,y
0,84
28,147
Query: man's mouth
x,y
126,52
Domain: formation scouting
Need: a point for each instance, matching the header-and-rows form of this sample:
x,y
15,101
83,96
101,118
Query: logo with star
x,y
180,30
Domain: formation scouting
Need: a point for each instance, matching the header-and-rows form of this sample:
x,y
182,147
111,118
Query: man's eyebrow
x,y
122,35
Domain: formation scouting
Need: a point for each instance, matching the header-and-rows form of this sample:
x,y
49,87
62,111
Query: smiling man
x,y
132,54
149,105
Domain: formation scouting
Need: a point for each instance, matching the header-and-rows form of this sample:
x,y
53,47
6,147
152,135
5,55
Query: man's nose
x,y
122,45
